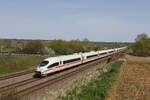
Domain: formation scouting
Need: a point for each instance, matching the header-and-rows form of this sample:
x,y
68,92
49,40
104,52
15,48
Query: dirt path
x,y
133,82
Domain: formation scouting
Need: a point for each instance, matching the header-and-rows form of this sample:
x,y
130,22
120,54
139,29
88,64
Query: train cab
x,y
46,66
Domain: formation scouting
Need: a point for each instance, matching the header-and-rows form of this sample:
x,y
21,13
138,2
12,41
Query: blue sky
x,y
97,20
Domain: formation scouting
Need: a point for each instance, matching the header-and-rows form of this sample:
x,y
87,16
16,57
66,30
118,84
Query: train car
x,y
54,64
102,53
110,51
90,56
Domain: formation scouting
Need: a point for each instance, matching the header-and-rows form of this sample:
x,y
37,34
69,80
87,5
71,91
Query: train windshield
x,y
43,63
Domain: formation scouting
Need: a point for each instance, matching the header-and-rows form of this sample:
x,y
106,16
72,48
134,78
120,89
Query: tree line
x,y
141,46
54,47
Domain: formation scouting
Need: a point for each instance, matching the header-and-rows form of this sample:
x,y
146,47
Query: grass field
x,y
133,82
97,87
9,64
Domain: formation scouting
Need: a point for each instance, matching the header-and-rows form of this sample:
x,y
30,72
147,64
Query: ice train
x,y
53,64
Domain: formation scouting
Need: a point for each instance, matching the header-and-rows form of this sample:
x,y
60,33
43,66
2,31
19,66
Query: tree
x,y
60,47
141,36
141,47
5,45
34,47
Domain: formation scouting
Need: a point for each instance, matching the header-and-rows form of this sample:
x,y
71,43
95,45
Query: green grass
x,y
97,88
9,64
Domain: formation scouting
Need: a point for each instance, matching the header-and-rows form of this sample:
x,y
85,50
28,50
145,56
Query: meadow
x,y
9,64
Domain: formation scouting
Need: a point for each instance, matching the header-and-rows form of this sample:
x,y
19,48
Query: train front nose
x,y
37,74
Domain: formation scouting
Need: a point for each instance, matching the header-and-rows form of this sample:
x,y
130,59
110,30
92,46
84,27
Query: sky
x,y
96,20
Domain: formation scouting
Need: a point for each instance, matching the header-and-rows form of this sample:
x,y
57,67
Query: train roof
x,y
90,53
102,51
78,55
63,57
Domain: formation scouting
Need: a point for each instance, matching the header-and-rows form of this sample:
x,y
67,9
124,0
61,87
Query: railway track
x,y
25,87
4,77
17,84
57,79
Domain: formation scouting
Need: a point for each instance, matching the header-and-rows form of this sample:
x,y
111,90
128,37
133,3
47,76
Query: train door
x,y
82,58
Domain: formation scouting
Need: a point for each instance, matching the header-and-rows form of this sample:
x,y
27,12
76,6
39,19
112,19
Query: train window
x,y
71,60
91,56
43,63
53,65
103,53
110,51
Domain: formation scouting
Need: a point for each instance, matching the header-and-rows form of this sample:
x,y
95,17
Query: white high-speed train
x,y
58,63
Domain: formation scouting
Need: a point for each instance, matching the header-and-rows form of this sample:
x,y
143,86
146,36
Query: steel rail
x,y
4,77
